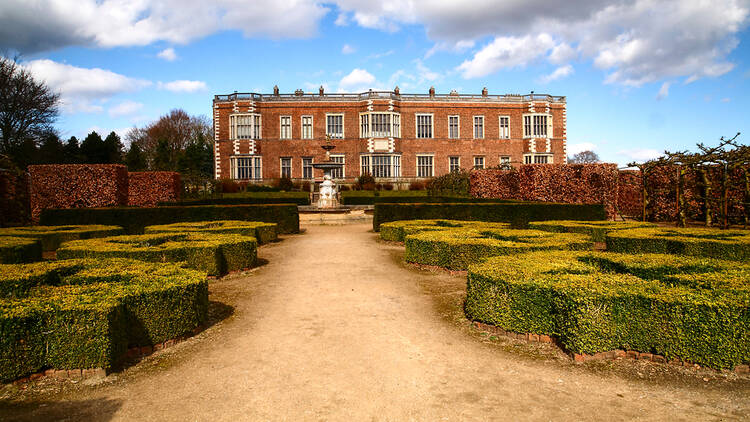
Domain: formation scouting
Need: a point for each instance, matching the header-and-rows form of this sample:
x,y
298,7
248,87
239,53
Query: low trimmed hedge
x,y
713,243
86,313
15,250
299,198
52,236
596,229
262,232
518,214
396,231
691,309
458,248
215,254
134,220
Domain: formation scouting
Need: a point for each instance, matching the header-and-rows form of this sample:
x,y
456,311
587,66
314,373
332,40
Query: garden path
x,y
334,327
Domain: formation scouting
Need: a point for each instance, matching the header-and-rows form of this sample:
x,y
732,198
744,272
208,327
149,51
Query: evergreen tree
x,y
72,151
51,150
197,159
112,149
92,149
163,156
135,159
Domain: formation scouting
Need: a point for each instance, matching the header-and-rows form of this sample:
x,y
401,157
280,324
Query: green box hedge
x,y
134,220
691,309
714,243
396,231
596,229
86,313
262,232
298,198
213,253
14,250
52,236
456,249
518,214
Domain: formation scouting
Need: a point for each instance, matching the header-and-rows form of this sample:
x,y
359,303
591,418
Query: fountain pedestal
x,y
328,197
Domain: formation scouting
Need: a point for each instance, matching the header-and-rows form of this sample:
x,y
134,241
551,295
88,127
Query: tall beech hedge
x,y
564,183
14,250
518,214
134,220
213,253
262,232
77,186
148,188
52,236
458,248
713,243
690,309
86,313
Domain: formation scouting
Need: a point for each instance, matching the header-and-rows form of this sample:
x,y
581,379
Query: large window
x,y
307,127
424,166
453,127
504,127
537,159
454,164
286,167
338,173
478,127
424,125
380,125
479,163
505,162
244,126
285,124
335,125
245,168
307,168
387,166
537,126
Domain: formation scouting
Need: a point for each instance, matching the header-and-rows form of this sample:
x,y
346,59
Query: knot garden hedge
x,y
216,254
687,308
86,313
262,232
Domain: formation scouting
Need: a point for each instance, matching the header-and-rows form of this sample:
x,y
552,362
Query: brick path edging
x,y
609,355
132,353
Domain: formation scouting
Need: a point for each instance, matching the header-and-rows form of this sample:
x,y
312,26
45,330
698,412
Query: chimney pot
x,y
276,90
321,90
432,92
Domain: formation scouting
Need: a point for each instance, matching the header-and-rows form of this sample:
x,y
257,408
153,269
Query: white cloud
x,y
640,154
580,147
348,49
125,108
663,91
559,73
183,86
455,47
32,26
167,54
633,41
358,80
381,55
726,100
342,20
82,89
505,53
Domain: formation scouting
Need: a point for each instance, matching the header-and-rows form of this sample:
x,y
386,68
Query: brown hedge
x,y
148,188
561,183
77,186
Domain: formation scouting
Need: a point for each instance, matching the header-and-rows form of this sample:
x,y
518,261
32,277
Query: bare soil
x,y
334,326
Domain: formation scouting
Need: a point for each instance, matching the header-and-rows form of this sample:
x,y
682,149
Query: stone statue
x,y
327,193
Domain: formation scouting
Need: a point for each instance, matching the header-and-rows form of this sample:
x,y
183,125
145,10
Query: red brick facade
x,y
271,148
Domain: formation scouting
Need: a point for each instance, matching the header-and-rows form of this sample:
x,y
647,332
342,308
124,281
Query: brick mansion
x,y
390,135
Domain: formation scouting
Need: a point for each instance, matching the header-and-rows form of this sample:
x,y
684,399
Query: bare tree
x,y
28,107
584,157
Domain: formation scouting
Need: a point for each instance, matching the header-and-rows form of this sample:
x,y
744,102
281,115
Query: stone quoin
x,y
390,135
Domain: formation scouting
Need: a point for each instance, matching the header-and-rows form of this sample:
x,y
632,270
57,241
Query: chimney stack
x,y
396,90
276,90
484,92
432,92
320,90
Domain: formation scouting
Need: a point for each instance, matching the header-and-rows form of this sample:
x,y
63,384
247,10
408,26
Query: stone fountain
x,y
328,197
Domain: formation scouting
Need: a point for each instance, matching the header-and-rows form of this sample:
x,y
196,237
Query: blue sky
x,y
640,76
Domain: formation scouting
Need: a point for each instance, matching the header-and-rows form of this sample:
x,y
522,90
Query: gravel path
x,y
334,328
